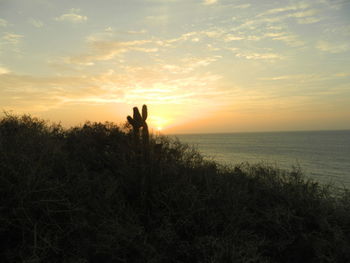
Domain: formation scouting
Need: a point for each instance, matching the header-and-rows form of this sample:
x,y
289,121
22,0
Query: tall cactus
x,y
143,164
137,122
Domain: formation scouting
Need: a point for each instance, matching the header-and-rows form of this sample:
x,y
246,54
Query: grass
x,y
86,194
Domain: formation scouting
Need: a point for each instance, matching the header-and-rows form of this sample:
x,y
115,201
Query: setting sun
x,y
157,122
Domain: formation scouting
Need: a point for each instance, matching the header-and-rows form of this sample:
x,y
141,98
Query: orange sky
x,y
200,66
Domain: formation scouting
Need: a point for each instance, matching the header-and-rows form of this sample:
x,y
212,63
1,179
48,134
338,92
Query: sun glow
x,y
158,123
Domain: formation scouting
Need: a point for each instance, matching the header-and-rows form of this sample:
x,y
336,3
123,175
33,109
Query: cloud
x,y
231,37
272,33
340,30
301,12
134,86
3,23
103,50
59,90
298,6
36,22
304,79
137,32
259,56
4,70
193,36
298,77
10,41
309,20
342,74
103,47
12,38
194,63
242,6
333,4
210,2
289,39
326,46
160,19
261,28
72,16
163,1
190,64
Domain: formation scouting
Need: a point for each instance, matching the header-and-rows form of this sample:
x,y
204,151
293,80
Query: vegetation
x,y
86,194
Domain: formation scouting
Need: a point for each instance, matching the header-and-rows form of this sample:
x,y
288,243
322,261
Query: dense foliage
x,y
87,194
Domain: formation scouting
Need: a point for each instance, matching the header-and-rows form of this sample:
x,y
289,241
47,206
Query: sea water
x,y
322,155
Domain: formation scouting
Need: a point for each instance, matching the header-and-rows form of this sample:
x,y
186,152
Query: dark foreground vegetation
x,y
87,194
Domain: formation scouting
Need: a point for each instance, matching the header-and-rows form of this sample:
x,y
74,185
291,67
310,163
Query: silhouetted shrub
x,y
86,195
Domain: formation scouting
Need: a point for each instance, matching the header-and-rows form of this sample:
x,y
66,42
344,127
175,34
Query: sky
x,y
201,66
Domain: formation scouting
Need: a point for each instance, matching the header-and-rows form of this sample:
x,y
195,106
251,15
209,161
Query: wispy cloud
x,y
11,42
106,50
342,74
12,38
303,79
110,87
210,2
35,22
72,16
58,90
159,19
326,46
259,56
309,20
294,7
190,64
232,37
296,77
3,23
302,13
104,47
242,6
199,62
288,38
333,4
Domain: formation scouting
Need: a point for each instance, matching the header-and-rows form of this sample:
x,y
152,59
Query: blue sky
x,y
201,66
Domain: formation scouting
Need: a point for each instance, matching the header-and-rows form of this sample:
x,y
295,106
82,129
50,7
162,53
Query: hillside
x,y
91,194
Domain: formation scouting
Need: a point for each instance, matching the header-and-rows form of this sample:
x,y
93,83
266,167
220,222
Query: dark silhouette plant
x,y
142,150
137,122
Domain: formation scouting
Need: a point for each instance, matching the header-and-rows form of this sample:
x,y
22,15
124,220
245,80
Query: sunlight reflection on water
x,y
324,155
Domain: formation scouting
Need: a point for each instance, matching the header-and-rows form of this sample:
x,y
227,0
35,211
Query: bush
x,y
86,194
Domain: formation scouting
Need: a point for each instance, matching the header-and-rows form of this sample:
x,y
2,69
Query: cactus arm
x,y
137,116
144,112
131,121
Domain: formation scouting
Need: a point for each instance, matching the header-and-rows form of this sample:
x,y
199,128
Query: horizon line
x,y
237,132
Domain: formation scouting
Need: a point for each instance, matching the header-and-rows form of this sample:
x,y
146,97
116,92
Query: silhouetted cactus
x,y
138,122
143,152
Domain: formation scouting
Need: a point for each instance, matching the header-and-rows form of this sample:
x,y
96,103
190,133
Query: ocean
x,y
322,155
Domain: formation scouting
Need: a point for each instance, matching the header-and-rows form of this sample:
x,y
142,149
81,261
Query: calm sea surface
x,y
323,155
